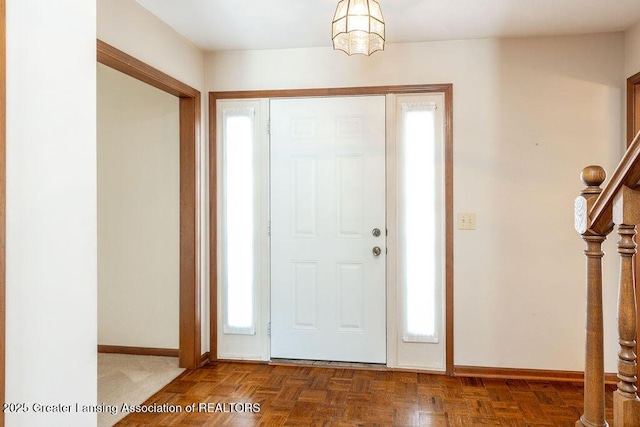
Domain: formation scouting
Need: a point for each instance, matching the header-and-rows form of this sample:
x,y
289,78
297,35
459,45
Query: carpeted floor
x,y
129,379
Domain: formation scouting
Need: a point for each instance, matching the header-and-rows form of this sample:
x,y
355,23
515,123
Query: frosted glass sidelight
x,y
238,220
418,209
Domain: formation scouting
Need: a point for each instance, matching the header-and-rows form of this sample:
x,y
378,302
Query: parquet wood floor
x,y
318,396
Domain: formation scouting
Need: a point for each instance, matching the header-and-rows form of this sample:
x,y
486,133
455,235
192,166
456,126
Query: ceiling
x,y
276,24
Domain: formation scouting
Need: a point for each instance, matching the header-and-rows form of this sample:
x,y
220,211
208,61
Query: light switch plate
x,y
466,221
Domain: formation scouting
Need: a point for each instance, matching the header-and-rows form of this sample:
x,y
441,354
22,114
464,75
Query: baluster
x,y
627,365
593,415
626,213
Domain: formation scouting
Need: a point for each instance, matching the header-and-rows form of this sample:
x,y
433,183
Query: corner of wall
x,y
632,50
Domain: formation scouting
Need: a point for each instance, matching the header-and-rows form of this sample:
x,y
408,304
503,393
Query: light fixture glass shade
x,y
358,27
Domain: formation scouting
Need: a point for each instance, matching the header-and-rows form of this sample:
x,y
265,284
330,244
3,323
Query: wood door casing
x,y
190,322
636,110
633,107
633,127
446,89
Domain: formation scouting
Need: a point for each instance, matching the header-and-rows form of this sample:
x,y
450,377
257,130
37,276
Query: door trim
x,y
632,82
140,351
632,115
447,89
190,322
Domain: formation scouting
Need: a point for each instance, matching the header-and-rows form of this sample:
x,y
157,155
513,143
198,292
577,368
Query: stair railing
x,y
597,211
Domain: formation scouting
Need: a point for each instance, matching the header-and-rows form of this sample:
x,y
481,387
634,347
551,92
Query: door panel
x,y
327,195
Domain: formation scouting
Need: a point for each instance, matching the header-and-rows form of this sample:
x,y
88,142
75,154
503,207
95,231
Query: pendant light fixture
x,y
358,27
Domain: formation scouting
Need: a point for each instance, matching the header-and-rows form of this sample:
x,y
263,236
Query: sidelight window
x,y
238,216
419,213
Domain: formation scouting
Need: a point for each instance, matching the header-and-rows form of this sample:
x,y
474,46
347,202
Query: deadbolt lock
x,y
376,232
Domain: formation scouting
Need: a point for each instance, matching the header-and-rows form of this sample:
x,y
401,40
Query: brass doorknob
x,y
376,251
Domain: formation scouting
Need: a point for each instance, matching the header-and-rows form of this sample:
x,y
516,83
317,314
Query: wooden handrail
x,y
627,173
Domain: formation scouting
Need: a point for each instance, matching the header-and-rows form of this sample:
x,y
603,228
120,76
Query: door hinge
x,y
269,127
269,329
269,228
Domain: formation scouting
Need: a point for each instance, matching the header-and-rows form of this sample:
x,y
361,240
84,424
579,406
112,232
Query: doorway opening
x,y
189,130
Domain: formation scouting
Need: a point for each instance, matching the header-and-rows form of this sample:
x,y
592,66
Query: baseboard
x,y
244,361
526,374
458,371
141,351
204,359
611,378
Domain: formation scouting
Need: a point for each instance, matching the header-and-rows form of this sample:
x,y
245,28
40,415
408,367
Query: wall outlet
x,y
466,221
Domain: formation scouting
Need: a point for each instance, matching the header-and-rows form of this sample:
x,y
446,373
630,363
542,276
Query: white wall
x,y
138,213
632,51
51,209
528,114
129,27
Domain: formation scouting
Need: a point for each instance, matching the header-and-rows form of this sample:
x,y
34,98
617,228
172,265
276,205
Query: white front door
x,y
328,286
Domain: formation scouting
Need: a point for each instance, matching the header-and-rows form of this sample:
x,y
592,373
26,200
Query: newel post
x,y
626,214
593,415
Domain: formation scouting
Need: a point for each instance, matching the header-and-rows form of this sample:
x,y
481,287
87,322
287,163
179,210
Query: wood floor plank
x,y
243,394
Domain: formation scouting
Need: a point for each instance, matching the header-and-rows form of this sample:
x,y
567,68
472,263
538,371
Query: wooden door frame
x,y
447,89
190,322
632,82
632,115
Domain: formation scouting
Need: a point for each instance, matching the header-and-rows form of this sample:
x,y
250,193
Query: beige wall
x,y
528,114
129,27
632,51
133,29
51,210
138,213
